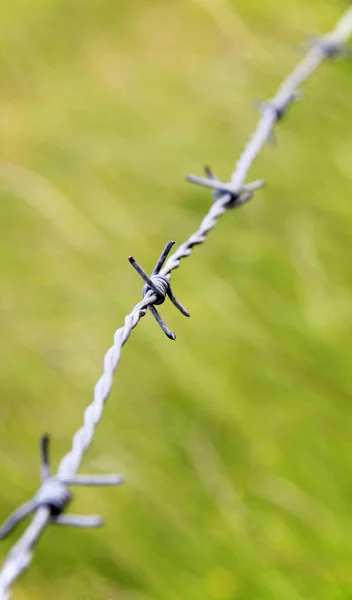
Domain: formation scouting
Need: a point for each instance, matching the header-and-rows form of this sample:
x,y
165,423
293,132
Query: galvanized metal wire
x,y
52,498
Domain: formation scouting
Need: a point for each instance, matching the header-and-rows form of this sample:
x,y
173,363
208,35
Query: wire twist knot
x,y
278,105
327,45
160,288
333,48
54,494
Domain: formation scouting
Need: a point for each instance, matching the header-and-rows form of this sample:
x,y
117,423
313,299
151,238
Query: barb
x,y
161,287
48,503
53,496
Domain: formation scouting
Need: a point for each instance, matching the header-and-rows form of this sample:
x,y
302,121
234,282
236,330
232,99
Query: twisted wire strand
x,y
83,437
20,555
325,47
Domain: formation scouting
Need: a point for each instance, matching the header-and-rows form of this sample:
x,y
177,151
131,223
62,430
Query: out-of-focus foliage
x,y
236,439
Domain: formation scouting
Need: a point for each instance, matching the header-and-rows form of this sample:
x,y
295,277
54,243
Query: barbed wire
x,y
53,496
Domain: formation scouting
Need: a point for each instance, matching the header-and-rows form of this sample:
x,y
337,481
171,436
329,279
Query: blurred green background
x,y
235,440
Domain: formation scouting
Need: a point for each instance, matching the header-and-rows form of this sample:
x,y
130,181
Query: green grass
x,y
236,439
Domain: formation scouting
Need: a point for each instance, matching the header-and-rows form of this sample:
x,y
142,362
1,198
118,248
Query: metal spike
x,y
54,494
160,285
